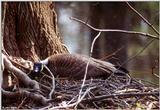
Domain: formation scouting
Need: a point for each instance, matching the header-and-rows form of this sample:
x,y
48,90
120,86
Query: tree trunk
x,y
30,30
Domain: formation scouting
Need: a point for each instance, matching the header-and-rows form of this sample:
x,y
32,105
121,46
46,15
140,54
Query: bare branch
x,y
96,98
73,104
112,54
144,19
115,30
131,58
53,82
86,70
156,75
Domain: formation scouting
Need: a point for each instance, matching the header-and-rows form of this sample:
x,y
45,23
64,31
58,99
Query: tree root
x,y
36,97
20,74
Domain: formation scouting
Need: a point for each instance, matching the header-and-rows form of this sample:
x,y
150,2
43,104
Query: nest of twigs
x,y
112,93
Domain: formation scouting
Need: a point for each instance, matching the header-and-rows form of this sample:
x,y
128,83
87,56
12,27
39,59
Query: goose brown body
x,y
73,66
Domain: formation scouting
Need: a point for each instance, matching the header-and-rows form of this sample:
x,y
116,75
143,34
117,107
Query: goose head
x,y
38,66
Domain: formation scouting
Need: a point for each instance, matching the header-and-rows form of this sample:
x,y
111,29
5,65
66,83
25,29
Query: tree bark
x,y
30,30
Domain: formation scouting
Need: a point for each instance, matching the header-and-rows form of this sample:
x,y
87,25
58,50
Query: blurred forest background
x,y
113,15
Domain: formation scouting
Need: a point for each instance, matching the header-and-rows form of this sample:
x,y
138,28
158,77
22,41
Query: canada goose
x,y
73,66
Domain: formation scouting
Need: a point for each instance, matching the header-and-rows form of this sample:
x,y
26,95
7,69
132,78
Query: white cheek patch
x,y
36,69
45,62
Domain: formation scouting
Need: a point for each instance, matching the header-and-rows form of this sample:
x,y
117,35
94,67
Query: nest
x,y
112,93
117,91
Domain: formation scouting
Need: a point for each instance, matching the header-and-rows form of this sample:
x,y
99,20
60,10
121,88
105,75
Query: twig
x,y
72,99
86,70
114,53
46,87
53,82
96,98
131,58
73,104
46,107
21,103
96,106
144,19
156,75
151,83
115,30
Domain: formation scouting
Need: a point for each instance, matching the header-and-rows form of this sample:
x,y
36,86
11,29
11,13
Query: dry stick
x,y
97,98
20,105
156,75
86,70
96,106
114,53
144,19
129,59
53,82
72,99
73,104
151,83
116,30
81,98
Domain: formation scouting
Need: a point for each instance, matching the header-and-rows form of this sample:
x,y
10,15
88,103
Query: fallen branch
x,y
115,30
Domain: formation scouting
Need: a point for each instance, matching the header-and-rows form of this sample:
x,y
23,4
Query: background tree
x,y
109,15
